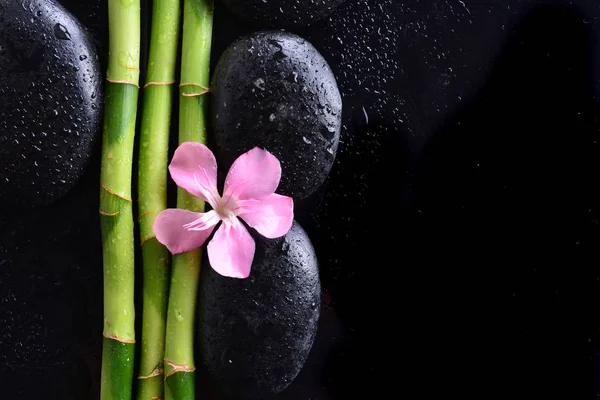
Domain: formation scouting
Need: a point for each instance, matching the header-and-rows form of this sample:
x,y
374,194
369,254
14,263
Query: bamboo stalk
x,y
115,199
195,78
152,191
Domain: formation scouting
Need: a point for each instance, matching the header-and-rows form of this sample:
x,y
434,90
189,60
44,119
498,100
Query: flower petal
x,y
194,169
231,250
271,216
182,231
254,175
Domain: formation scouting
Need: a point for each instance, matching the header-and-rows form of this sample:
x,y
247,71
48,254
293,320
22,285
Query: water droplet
x,y
61,32
260,83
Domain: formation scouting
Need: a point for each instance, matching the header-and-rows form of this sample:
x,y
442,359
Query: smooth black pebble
x,y
50,101
256,333
282,13
274,90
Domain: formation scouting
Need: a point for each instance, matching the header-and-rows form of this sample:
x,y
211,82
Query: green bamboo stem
x,y
195,79
152,191
116,213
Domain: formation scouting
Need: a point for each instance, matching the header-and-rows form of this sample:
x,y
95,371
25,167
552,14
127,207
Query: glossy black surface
x,y
281,13
274,90
50,102
255,334
458,236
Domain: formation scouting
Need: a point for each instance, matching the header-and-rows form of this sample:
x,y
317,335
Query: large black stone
x,y
256,333
274,90
50,101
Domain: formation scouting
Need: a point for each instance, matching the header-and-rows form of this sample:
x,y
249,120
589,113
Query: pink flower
x,y
249,193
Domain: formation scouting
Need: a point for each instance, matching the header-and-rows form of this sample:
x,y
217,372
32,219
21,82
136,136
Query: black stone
x,y
282,13
255,334
50,101
274,90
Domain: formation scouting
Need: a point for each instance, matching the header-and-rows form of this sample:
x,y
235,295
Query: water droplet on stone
x,y
61,32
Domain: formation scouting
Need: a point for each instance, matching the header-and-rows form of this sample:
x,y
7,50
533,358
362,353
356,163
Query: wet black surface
x,y
281,13
458,235
48,134
275,91
254,343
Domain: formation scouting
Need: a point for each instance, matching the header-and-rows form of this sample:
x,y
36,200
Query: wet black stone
x,y
50,102
282,13
274,90
256,333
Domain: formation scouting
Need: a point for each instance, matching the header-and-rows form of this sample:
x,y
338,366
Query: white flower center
x,y
226,208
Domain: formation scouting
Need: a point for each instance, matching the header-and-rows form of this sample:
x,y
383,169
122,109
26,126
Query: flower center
x,y
226,208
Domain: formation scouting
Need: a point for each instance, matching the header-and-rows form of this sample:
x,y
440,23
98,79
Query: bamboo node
x,y
117,338
204,91
158,84
109,190
145,213
108,214
144,240
178,368
123,81
157,372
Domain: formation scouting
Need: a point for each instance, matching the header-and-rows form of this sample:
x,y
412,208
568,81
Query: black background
x,y
458,237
